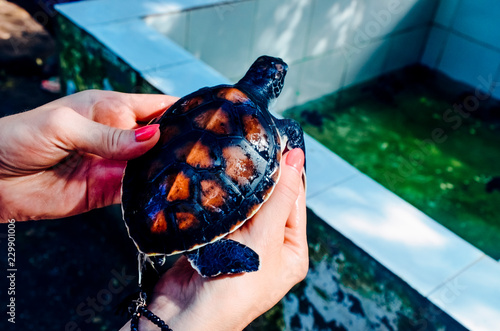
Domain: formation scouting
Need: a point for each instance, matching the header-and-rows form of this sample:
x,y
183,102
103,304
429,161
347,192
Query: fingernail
x,y
295,158
146,132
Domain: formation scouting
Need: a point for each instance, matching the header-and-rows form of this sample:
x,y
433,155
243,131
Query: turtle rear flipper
x,y
224,256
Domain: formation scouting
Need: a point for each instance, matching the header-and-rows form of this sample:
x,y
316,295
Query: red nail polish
x,y
295,158
146,132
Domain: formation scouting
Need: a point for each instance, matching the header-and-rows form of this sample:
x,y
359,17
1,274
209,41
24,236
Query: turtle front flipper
x,y
291,134
224,256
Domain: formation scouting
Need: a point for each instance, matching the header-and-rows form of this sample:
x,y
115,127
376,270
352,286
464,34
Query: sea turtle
x,y
216,163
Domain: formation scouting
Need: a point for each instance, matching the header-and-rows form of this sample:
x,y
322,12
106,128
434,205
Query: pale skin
x,y
68,156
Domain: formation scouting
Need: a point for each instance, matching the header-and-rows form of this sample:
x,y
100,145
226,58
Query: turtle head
x,y
265,78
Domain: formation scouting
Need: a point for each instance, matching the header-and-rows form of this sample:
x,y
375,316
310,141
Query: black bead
x,y
134,324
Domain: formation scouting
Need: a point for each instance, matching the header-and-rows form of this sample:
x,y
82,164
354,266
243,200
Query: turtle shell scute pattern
x,y
216,162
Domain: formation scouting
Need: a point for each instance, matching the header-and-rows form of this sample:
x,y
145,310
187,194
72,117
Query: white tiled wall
x,y
328,44
479,20
366,62
464,41
445,12
406,48
332,26
319,76
281,28
466,60
434,46
221,36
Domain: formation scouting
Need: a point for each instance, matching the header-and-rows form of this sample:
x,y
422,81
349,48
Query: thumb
x,y
83,134
282,201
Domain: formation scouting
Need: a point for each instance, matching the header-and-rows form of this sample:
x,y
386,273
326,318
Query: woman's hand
x,y
68,156
187,301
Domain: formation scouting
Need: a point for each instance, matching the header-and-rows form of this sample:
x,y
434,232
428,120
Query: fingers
x,y
148,106
277,209
296,225
144,106
297,216
295,247
76,132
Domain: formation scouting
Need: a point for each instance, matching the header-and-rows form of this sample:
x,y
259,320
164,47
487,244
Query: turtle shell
x,y
216,163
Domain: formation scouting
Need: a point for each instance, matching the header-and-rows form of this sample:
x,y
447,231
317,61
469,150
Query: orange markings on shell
x,y
239,166
199,156
159,224
255,132
232,94
213,196
191,103
196,154
186,221
214,120
180,188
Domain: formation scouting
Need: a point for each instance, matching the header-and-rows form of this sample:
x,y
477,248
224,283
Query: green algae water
x,y
419,140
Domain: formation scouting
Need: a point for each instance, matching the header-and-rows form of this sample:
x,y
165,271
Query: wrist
x,y
199,315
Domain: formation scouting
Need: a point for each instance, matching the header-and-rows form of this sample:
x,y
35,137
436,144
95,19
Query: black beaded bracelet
x,y
141,310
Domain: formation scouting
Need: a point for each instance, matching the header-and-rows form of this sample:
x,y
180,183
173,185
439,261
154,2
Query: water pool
x,y
402,131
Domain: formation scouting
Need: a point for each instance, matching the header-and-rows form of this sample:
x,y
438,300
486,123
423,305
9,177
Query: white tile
x,y
415,14
182,79
445,13
320,76
473,297
436,41
405,49
379,18
366,62
86,13
466,61
221,37
324,168
142,47
479,20
402,238
330,26
374,20
172,25
280,28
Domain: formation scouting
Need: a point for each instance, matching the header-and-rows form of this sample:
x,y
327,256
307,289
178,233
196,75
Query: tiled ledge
x,y
450,272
